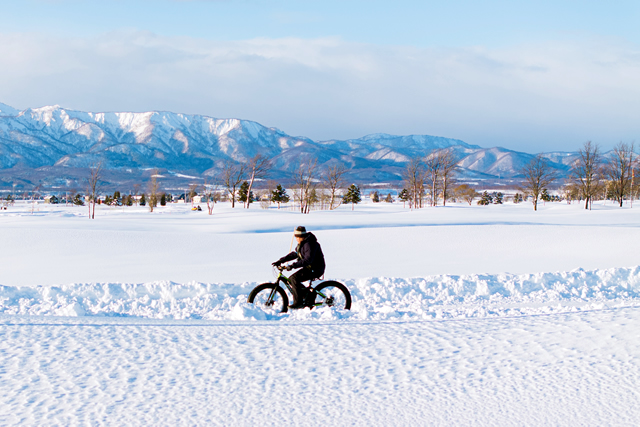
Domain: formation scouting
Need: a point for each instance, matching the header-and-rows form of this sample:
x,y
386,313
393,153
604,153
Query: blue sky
x,y
415,23
532,76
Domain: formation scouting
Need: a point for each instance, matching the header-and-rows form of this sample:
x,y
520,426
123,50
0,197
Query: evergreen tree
x,y
143,200
313,198
497,198
78,200
517,198
486,199
242,193
545,195
404,196
389,198
352,196
279,195
375,197
116,195
163,200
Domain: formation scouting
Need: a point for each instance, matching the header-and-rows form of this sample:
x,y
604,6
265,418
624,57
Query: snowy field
x,y
462,315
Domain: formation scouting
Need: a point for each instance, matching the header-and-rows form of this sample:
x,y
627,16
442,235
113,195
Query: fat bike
x,y
272,296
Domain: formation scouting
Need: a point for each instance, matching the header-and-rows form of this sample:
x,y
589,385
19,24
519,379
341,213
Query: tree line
x,y
432,178
592,176
428,180
311,185
236,182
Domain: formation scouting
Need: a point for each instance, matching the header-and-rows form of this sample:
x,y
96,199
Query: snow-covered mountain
x,y
54,136
6,110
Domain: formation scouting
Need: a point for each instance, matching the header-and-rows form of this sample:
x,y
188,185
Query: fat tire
x,y
339,286
267,287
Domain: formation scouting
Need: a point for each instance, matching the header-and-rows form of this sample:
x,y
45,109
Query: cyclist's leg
x,y
298,290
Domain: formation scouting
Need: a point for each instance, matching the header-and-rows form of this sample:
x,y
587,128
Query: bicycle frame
x,y
284,279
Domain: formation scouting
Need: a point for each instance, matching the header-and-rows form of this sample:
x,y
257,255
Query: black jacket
x,y
309,255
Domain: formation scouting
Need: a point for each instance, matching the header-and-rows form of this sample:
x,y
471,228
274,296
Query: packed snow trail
x,y
562,369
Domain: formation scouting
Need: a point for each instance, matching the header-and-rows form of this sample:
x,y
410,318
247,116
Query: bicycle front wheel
x,y
335,295
259,296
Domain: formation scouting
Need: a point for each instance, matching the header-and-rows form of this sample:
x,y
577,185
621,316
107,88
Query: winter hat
x,y
300,231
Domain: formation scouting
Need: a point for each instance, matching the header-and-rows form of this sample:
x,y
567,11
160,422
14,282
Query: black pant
x,y
296,279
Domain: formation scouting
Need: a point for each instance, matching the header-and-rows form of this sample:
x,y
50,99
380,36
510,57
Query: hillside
x,y
58,143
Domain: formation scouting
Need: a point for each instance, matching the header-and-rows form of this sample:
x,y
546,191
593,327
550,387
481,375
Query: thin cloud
x,y
551,96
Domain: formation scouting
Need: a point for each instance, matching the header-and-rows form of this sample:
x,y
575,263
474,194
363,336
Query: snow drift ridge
x,y
434,297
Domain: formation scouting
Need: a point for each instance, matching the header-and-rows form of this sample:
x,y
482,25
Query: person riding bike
x,y
310,261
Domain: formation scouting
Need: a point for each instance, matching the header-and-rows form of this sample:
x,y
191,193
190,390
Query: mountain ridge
x,y
52,136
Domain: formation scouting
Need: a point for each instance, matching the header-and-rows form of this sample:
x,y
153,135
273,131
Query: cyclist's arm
x,y
288,257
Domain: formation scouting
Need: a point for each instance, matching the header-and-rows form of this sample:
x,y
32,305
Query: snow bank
x,y
434,297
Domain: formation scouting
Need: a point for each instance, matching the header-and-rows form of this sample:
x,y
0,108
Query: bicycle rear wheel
x,y
260,297
335,295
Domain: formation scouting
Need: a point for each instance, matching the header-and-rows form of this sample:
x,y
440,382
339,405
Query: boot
x,y
299,299
306,298
310,298
296,305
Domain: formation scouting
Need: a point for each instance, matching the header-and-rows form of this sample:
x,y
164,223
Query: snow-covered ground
x,y
58,245
462,315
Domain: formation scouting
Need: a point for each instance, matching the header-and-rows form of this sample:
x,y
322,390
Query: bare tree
x,y
258,167
304,178
153,190
92,187
586,172
413,178
192,192
572,191
440,167
232,176
448,163
538,175
35,195
633,192
466,193
310,194
71,191
433,173
210,194
333,181
136,190
619,169
324,200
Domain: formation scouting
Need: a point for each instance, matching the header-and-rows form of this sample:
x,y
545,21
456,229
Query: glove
x,y
289,268
276,264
